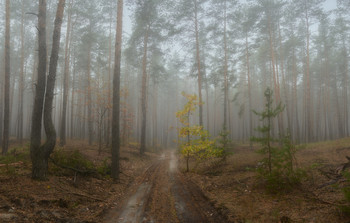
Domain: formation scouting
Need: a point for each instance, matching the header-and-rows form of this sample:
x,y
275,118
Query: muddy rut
x,y
162,194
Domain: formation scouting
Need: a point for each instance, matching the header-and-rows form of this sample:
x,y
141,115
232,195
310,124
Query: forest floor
x,y
154,188
65,196
234,188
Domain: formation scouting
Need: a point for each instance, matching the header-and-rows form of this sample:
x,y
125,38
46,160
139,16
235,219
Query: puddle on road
x,y
173,162
133,212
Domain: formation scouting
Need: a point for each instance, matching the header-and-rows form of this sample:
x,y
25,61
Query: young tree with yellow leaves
x,y
196,142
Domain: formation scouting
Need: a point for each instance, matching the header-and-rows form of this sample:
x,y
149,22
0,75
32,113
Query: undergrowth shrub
x,y
15,155
345,209
65,161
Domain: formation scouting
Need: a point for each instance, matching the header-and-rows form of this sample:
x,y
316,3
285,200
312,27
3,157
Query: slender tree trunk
x,y
198,65
109,112
155,105
51,79
225,72
249,90
89,97
116,94
295,99
65,80
72,132
308,117
286,93
345,90
21,82
275,74
144,94
6,132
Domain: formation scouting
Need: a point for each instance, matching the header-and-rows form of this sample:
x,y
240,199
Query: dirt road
x,y
162,195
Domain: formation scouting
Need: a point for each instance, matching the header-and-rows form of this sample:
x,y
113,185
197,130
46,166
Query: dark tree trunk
x,y
6,132
116,94
40,154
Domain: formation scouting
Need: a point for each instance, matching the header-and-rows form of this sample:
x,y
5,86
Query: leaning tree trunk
x,y
40,154
6,132
116,94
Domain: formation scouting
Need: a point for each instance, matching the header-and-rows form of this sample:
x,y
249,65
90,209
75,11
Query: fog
x,y
232,50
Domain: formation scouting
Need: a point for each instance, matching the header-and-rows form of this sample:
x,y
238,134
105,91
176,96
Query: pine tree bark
x,y
65,80
198,64
89,97
72,125
308,117
225,71
21,82
116,95
144,94
6,131
249,90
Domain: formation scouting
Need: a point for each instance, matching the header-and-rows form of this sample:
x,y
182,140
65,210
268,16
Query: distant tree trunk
x,y
40,154
286,97
345,81
198,64
308,117
21,82
109,112
65,80
89,97
6,132
72,132
295,112
144,94
225,73
275,73
249,90
207,101
155,118
116,94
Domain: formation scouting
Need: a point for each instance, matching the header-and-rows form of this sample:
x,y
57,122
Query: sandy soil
x,y
162,194
235,189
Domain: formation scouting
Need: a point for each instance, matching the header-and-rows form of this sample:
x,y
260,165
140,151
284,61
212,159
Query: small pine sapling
x,y
266,139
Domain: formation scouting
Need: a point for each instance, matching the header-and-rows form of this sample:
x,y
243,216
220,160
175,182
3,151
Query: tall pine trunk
x,y
116,94
144,94
21,82
65,80
198,64
6,131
